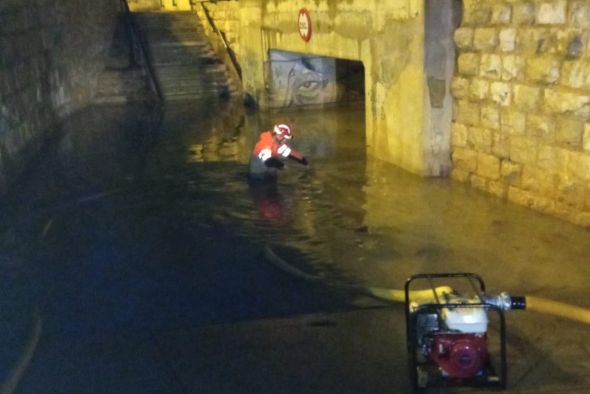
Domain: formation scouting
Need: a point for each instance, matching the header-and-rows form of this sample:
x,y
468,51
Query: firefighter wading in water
x,y
270,150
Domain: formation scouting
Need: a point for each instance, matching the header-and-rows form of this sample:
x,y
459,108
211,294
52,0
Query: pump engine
x,y
447,332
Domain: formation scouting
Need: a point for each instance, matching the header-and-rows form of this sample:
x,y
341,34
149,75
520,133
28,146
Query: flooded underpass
x,y
135,259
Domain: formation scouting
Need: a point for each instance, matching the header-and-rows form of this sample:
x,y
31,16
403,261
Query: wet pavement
x,y
132,257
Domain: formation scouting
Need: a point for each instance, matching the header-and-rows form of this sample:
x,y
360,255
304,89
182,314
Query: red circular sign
x,y
304,22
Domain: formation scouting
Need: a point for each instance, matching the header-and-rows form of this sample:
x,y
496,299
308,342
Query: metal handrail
x,y
221,35
134,32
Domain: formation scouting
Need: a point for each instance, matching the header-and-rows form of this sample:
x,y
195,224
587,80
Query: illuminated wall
x,y
145,5
387,37
522,104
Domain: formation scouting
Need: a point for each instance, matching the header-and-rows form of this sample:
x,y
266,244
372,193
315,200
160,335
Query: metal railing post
x,y
221,35
135,34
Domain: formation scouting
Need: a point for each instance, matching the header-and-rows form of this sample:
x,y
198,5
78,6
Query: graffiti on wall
x,y
299,80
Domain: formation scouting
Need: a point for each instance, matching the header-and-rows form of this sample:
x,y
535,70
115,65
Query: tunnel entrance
x,y
299,80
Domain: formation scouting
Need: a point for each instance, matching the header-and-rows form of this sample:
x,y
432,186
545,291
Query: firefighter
x,y
270,151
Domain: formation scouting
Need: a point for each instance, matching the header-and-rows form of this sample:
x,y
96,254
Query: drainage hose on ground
x,y
535,304
382,294
17,372
558,309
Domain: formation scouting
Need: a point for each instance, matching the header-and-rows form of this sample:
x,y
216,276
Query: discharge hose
x,y
383,294
504,301
560,309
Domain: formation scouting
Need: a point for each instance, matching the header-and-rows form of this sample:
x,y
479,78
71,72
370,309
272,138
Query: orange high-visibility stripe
x,y
267,141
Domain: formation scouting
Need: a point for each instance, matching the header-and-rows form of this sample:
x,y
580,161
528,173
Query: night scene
x,y
294,196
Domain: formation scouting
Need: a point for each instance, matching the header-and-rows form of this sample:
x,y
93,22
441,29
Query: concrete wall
x,y
173,5
387,37
522,104
441,19
51,54
226,15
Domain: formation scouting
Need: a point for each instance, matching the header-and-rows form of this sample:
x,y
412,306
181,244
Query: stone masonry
x,y
521,127
51,54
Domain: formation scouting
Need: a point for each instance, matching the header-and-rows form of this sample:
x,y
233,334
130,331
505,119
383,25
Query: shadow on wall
x,y
297,80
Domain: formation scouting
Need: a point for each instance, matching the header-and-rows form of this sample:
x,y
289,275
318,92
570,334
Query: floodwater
x,y
136,222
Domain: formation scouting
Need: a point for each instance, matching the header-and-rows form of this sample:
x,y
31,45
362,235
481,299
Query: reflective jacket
x,y
267,147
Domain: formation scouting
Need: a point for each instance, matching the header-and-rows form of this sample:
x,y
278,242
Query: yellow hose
x,y
15,375
558,309
397,295
390,295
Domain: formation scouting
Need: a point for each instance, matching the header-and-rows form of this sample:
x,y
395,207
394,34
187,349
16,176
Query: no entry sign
x,y
304,22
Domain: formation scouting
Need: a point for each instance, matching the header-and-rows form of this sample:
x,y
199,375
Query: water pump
x,y
448,333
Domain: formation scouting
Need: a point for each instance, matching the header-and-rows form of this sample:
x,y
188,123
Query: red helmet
x,y
283,130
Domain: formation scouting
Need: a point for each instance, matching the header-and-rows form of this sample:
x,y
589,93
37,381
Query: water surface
x,y
136,221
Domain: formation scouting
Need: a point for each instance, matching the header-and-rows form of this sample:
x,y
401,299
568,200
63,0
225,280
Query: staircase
x,y
122,80
182,57
122,86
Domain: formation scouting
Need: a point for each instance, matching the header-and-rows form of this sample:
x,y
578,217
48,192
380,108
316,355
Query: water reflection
x,y
347,213
377,224
139,220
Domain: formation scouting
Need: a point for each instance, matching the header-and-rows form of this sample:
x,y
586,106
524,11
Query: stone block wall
x,y
51,54
521,124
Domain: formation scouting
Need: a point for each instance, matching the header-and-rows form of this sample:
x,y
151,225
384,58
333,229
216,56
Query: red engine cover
x,y
460,356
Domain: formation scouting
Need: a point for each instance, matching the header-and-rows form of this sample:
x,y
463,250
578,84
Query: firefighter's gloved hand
x,y
300,160
273,162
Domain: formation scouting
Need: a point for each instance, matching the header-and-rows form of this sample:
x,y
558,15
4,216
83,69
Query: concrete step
x,y
171,46
154,23
198,93
165,21
122,86
183,58
184,71
193,83
191,39
165,14
197,84
182,61
182,55
194,88
168,17
194,96
164,26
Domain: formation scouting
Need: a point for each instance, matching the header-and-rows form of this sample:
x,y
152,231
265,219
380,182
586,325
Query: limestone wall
x,y
521,126
51,53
